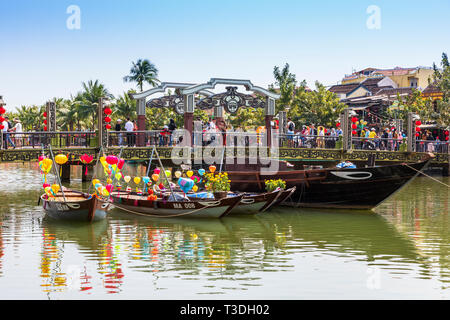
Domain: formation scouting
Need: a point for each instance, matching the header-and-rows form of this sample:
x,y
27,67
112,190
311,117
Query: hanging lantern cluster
x,y
45,121
2,112
107,119
354,126
418,124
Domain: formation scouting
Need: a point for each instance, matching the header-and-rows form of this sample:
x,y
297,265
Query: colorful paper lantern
x,y
107,119
112,160
61,159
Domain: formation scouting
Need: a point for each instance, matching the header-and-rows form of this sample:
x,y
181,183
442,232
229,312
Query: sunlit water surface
x,y
399,252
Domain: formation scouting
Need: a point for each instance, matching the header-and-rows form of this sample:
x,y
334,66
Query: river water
x,y
400,251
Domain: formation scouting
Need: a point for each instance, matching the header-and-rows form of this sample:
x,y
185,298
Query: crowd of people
x,y
9,139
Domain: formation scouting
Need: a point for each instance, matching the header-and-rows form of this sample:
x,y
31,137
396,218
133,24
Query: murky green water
x,y
399,252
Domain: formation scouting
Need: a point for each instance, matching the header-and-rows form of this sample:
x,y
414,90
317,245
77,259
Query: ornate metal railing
x,y
62,139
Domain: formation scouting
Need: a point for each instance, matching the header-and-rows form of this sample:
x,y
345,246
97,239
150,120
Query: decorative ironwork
x,y
173,101
231,100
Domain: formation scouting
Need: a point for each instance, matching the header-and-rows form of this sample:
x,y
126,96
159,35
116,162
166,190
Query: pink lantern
x,y
156,171
120,164
109,187
112,160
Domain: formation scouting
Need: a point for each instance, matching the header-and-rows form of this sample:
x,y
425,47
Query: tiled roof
x,y
394,91
344,88
432,88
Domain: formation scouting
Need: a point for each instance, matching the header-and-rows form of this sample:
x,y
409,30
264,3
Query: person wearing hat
x,y
118,128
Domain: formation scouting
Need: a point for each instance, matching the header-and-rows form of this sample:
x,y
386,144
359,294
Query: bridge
x,y
300,150
300,155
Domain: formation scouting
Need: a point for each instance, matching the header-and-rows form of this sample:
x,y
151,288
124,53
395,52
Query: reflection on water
x,y
401,251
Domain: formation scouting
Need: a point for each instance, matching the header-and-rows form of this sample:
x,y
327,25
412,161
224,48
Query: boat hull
x,y
162,208
361,188
90,209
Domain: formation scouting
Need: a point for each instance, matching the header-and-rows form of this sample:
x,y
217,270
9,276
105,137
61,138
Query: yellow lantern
x,y
137,180
55,188
61,159
189,173
95,181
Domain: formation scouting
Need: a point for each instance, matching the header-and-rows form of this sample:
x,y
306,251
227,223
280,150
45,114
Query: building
x,y
367,87
418,77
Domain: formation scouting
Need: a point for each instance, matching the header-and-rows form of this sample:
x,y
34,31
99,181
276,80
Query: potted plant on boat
x,y
272,185
218,184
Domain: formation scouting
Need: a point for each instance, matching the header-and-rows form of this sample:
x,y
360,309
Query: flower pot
x,y
220,195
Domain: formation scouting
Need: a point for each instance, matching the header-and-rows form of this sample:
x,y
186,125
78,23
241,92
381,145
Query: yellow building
x,y
418,77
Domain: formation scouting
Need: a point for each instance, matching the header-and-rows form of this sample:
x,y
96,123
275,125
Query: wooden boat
x,y
78,206
166,207
253,203
359,188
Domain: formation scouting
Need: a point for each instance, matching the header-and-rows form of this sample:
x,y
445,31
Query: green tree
x,y
247,118
87,100
285,84
319,107
442,106
124,107
143,71
413,102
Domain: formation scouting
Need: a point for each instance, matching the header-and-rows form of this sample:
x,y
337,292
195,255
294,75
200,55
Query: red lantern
x,y
107,111
446,138
417,134
446,132
45,121
354,132
108,126
418,123
354,126
45,114
107,119
1,127
338,124
2,110
45,128
417,129
2,119
354,119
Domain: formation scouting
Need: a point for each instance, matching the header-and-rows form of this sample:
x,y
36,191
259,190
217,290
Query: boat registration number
x,y
61,207
186,205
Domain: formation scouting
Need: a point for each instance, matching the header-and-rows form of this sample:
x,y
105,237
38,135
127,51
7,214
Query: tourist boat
x,y
358,188
251,203
77,206
176,206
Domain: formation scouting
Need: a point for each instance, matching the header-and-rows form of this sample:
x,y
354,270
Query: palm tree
x,y
87,100
124,107
143,71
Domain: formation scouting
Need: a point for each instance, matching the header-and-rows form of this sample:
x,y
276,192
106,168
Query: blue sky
x,y
192,41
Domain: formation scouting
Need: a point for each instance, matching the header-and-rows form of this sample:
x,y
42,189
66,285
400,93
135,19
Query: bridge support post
x,y
102,132
140,104
87,172
189,106
270,112
346,131
411,135
65,172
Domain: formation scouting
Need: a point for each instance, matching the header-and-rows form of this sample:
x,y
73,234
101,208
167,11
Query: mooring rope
x,y
448,186
171,216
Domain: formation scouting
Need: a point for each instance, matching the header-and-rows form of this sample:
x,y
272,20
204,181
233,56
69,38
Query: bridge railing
x,y
141,138
61,139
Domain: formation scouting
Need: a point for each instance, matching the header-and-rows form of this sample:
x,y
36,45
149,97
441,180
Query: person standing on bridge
x,y
118,128
129,127
6,136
